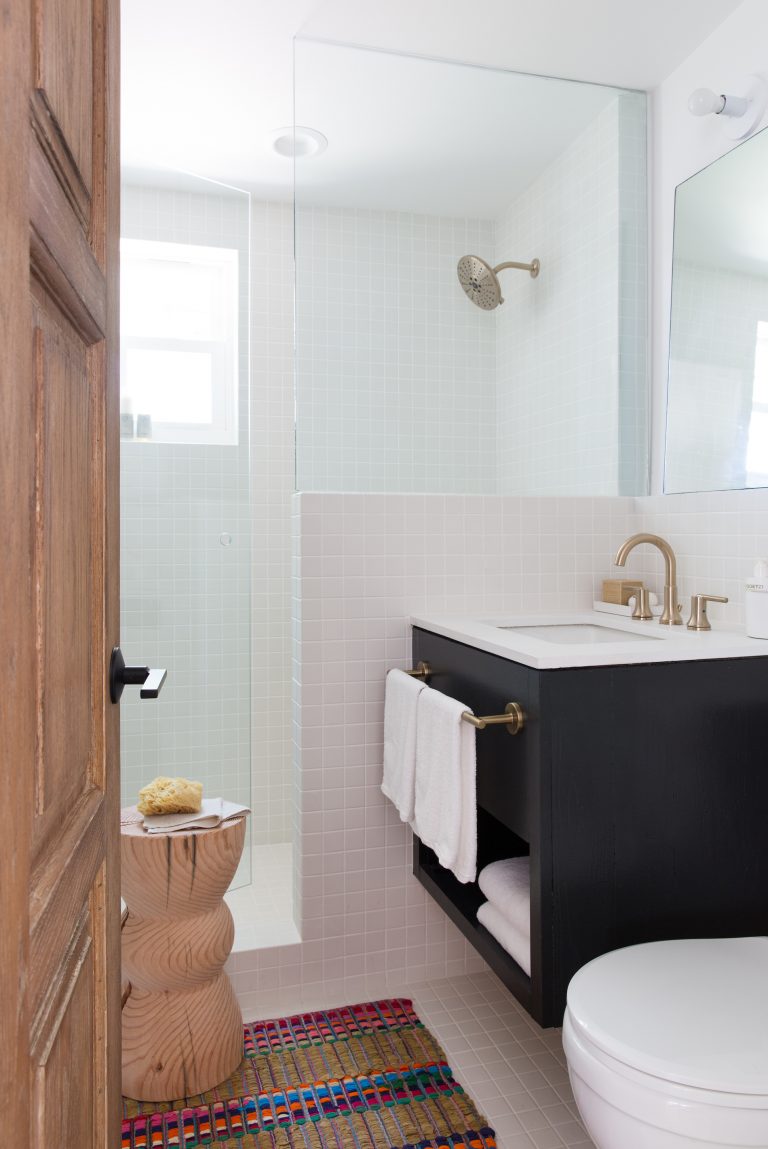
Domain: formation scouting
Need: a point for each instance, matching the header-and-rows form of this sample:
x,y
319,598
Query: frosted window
x,y
178,327
170,384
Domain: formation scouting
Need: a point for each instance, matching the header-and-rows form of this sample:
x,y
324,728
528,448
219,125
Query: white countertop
x,y
646,642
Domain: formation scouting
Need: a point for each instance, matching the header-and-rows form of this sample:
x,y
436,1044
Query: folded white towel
x,y
515,942
400,699
445,807
507,884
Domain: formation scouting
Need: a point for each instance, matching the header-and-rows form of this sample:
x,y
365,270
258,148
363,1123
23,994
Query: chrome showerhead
x,y
480,281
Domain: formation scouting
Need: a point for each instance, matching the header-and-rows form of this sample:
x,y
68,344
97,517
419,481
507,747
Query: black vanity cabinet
x,y
640,793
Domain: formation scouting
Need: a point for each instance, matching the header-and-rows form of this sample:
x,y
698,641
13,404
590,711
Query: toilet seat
x,y
691,1014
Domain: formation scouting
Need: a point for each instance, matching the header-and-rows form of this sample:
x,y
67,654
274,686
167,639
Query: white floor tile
x,y
514,1070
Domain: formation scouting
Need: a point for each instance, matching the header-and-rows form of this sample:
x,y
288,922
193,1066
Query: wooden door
x,y
59,797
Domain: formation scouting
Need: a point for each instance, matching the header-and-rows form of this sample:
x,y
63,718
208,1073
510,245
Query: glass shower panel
x,y
404,382
185,484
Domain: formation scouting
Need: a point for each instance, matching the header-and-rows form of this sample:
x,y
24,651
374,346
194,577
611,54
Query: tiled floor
x,y
263,909
514,1070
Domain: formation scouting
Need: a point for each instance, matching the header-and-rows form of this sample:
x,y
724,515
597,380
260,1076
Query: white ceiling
x,y
204,84
408,134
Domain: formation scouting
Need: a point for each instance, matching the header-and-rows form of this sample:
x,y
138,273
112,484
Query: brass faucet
x,y
670,616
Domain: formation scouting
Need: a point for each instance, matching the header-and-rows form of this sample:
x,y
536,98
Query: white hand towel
x,y
445,806
507,884
516,943
400,699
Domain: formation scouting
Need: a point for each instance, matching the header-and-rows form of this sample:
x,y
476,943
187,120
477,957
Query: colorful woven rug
x,y
361,1077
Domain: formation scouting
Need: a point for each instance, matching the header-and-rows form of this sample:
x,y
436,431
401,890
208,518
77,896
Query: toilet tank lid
x,y
695,1012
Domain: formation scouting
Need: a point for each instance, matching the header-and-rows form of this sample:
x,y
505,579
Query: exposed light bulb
x,y
704,101
737,116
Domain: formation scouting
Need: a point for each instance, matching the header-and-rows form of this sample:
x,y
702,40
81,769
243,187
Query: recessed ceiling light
x,y
299,142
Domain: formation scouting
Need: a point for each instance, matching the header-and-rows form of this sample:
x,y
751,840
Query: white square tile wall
x,y
403,385
185,597
716,538
634,382
219,617
568,413
272,487
364,564
395,370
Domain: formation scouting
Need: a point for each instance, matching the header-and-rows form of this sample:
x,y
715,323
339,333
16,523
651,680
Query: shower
x,y
480,281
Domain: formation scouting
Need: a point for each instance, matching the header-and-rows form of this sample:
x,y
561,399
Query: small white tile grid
x,y
395,369
263,910
186,600
634,367
715,314
514,1071
403,385
272,487
570,361
716,538
364,564
185,597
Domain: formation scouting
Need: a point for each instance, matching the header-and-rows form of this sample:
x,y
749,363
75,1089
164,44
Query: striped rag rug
x,y
360,1077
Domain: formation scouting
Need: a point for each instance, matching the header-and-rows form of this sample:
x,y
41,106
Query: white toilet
x,y
667,1045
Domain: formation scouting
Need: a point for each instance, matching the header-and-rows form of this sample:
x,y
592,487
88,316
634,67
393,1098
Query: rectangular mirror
x,y
717,404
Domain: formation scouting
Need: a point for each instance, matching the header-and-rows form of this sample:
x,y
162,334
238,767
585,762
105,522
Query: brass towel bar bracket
x,y
513,717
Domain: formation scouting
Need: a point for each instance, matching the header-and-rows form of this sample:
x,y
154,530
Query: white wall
x,y
712,375
364,565
557,363
682,144
395,370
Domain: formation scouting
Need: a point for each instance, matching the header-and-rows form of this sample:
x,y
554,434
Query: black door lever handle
x,y
120,676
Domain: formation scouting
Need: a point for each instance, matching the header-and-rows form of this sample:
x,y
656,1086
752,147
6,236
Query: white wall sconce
x,y
740,114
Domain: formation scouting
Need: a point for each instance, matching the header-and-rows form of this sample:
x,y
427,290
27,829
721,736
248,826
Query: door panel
x,y
63,48
59,226
63,1116
68,734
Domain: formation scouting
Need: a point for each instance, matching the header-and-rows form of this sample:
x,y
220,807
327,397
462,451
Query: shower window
x,y
179,341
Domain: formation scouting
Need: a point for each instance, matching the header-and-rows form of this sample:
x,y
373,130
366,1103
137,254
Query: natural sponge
x,y
171,796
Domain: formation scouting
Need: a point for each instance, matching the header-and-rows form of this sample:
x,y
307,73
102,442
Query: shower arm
x,y
532,267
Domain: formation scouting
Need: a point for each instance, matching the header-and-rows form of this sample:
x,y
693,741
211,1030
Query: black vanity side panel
x,y
659,804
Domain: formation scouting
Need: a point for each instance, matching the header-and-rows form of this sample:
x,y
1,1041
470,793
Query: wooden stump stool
x,y
182,1027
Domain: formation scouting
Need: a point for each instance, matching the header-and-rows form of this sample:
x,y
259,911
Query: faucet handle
x,y
698,619
642,609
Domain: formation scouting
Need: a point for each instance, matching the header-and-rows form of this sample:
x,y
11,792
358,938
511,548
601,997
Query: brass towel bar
x,y
513,717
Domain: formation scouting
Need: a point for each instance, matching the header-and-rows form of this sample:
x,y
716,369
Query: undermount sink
x,y
578,632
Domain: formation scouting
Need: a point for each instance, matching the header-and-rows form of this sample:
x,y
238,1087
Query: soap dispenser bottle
x,y
756,601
